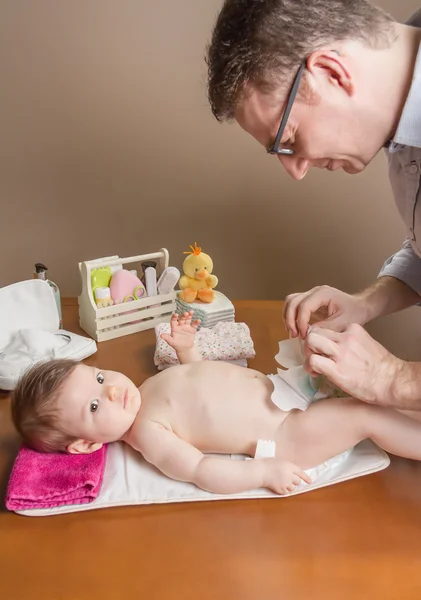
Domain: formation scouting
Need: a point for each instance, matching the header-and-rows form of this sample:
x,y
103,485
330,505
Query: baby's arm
x,y
183,333
181,461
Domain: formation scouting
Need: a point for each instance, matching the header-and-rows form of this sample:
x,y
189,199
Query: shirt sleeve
x,y
405,265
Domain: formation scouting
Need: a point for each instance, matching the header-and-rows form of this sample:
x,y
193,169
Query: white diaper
x,y
287,394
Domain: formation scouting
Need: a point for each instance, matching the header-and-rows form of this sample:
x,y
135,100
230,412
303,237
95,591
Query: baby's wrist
x,y
184,351
266,468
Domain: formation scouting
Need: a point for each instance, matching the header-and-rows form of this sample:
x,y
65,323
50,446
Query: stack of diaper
x,y
230,342
221,309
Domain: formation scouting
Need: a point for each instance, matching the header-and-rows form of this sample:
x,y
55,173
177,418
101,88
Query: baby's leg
x,y
414,414
332,426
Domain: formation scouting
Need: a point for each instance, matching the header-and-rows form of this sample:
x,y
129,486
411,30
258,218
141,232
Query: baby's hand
x,y
183,331
283,477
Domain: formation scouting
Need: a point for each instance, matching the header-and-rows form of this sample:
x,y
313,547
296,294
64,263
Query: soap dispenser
x,y
41,273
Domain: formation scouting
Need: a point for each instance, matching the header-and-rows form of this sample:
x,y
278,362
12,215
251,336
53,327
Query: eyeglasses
x,y
275,149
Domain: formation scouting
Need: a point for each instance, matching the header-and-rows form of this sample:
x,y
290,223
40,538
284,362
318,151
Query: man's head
x,y
63,405
258,47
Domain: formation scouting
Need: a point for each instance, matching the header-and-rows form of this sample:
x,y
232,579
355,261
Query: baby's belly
x,y
224,410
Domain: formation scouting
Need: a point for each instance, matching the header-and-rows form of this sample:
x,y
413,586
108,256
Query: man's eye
x,y
100,378
94,406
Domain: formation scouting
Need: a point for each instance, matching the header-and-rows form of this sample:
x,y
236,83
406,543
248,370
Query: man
x,y
327,84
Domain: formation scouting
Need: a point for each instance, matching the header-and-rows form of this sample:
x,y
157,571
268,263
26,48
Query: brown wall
x,y
108,146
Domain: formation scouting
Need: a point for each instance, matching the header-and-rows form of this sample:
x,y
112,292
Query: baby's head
x,y
65,406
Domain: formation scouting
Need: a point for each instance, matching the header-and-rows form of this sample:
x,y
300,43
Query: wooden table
x,y
360,539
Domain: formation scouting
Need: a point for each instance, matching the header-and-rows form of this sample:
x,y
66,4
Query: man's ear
x,y
331,64
83,447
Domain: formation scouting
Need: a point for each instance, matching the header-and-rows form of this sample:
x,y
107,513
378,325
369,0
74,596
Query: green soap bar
x,y
100,277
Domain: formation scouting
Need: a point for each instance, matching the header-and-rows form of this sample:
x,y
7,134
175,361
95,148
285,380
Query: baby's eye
x,y
205,268
100,378
94,406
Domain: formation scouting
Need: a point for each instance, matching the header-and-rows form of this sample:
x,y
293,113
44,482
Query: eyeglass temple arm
x,y
288,107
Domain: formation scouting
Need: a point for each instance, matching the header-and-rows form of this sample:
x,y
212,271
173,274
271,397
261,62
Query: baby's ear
x,y
83,447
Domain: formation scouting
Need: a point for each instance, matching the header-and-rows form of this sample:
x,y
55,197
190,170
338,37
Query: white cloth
x,y
29,331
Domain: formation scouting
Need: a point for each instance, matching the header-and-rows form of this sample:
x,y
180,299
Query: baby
x,y
180,416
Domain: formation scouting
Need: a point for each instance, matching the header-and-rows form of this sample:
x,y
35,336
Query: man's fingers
x,y
325,342
309,306
335,323
321,365
289,313
330,334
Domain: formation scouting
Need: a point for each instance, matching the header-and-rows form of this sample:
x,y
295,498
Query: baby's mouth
x,y
126,397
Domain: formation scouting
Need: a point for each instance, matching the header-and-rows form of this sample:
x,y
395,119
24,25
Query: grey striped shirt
x,y
404,155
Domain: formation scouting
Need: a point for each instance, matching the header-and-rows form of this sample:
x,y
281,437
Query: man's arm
x,y
405,390
387,295
398,285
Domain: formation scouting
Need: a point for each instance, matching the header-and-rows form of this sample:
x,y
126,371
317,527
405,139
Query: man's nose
x,y
294,166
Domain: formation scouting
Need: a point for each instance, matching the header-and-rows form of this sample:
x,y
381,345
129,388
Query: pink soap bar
x,y
123,283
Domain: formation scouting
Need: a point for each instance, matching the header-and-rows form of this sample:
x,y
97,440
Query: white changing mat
x,y
130,480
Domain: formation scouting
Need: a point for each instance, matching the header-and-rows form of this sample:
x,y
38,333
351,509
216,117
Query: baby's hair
x,y
34,405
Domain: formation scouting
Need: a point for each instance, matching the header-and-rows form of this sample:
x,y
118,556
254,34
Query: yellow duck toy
x,y
197,281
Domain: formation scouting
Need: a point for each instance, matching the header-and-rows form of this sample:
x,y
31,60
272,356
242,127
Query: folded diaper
x,y
44,480
29,331
225,341
208,314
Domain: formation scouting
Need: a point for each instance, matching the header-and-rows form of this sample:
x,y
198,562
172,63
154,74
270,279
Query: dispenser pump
x,y
40,271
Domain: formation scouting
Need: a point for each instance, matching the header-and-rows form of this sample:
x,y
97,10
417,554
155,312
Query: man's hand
x,y
331,308
282,476
183,332
355,362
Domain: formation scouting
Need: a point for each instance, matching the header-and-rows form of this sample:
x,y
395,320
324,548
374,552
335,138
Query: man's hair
x,y
262,43
35,410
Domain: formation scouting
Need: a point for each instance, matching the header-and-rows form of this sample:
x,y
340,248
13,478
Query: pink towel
x,y
45,480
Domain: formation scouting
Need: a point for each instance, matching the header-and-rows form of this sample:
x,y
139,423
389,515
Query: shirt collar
x,y
408,132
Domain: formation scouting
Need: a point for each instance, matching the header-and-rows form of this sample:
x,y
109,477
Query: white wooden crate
x,y
123,319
